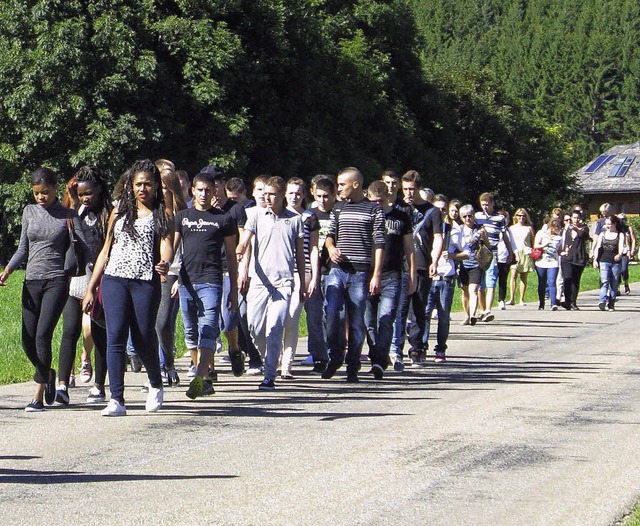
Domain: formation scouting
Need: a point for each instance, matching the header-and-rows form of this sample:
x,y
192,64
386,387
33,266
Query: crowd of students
x,y
374,264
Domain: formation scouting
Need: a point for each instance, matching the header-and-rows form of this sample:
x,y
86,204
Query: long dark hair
x,y
91,174
127,207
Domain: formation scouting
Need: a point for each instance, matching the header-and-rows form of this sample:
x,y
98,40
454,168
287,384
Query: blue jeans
x,y
379,317
547,281
200,307
131,305
413,309
440,297
317,323
609,279
346,297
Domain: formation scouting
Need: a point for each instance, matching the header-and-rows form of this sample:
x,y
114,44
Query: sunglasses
x,y
468,215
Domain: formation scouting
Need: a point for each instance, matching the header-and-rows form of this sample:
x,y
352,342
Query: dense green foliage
x,y
574,64
258,86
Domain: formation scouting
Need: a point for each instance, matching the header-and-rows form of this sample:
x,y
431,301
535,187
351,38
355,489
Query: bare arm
x,y
407,243
436,252
232,267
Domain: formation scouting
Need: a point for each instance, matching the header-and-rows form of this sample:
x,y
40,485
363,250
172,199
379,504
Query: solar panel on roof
x,y
625,166
598,163
621,166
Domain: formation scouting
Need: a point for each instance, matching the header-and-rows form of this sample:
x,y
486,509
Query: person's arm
x,y
596,249
374,284
407,242
166,253
21,253
243,255
314,257
632,237
301,272
436,252
232,268
537,243
621,246
100,264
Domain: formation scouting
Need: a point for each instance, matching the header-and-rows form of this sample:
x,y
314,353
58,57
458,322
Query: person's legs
x,y
605,281
356,301
244,335
512,285
616,270
400,323
446,290
491,280
385,315
118,311
146,299
42,305
278,306
99,335
316,323
257,303
291,328
371,323
473,300
568,282
503,274
552,276
523,285
335,313
542,285
166,323
577,276
419,304
71,328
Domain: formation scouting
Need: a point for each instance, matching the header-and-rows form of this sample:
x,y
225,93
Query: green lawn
x,y
14,366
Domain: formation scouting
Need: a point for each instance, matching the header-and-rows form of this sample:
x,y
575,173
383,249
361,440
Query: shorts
x,y
470,275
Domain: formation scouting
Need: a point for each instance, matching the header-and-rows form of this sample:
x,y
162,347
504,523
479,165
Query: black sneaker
x,y
237,362
602,305
267,385
377,371
319,367
331,369
352,376
62,397
35,406
50,388
207,388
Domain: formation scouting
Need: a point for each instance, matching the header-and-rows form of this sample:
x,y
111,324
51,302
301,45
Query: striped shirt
x,y
357,229
495,226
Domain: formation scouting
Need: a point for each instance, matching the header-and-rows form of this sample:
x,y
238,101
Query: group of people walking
x,y
369,263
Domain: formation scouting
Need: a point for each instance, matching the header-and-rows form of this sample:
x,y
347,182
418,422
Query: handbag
x,y
483,256
536,254
74,260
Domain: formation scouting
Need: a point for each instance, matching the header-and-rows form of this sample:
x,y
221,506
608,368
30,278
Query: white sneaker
x,y
114,408
502,305
154,399
192,371
254,371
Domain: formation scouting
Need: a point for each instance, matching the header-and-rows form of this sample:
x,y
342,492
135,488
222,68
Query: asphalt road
x,y
533,420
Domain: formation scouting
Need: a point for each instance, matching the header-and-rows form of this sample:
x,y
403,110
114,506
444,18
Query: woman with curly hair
x,y
87,192
135,257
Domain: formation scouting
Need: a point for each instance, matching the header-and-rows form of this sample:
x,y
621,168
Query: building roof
x,y
615,171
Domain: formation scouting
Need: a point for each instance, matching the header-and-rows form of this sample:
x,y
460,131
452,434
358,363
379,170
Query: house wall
x,y
629,203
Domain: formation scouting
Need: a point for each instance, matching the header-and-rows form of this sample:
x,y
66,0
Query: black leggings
x,y
503,274
42,304
71,329
571,275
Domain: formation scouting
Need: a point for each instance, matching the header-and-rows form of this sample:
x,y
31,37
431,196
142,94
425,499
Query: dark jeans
x,y
440,297
571,275
317,323
413,309
166,323
624,266
71,329
131,305
379,317
42,304
346,298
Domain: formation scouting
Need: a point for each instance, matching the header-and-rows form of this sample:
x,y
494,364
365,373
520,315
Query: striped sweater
x,y
357,229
